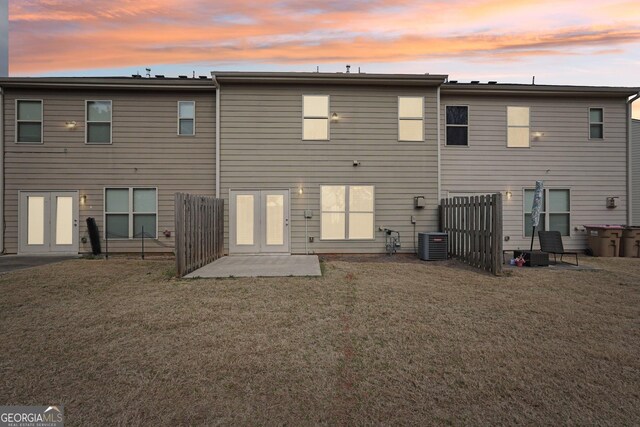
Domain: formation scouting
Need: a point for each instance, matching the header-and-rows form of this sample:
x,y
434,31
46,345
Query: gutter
x,y
217,86
1,170
438,138
629,160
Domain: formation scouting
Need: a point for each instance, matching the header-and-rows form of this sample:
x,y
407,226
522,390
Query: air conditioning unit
x,y
432,246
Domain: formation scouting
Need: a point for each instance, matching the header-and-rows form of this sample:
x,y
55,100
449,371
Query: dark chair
x,y
551,242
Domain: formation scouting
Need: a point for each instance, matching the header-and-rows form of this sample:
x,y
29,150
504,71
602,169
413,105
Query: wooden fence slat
x,y
199,231
474,227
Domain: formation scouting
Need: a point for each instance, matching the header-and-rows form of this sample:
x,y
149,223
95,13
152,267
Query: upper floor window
x,y
410,118
186,118
29,121
596,123
346,212
457,123
315,112
98,122
518,135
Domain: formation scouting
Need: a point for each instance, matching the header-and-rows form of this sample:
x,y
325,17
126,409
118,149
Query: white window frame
x,y
546,212
130,213
328,118
187,118
596,123
87,122
421,118
446,125
519,127
347,190
41,101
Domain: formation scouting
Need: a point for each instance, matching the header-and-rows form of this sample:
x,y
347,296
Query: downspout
x,y
1,170
438,125
217,86
629,162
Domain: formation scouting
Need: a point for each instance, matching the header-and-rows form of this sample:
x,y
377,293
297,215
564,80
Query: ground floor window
x,y
555,214
347,212
131,213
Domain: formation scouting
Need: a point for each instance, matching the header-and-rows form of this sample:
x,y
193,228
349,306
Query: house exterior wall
x,y
635,171
563,157
145,152
262,148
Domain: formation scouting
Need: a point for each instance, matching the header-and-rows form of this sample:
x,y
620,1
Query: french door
x,y
48,222
259,221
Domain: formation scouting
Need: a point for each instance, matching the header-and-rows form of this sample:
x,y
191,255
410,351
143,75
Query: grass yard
x,y
370,342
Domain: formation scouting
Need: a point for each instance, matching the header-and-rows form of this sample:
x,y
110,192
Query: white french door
x,y
259,221
48,222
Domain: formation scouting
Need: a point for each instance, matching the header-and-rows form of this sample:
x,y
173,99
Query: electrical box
x,y
308,213
419,202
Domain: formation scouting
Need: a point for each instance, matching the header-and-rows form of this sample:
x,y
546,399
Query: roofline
x,y
528,89
137,83
329,78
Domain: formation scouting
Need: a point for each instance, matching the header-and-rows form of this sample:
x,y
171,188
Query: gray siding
x,y
146,151
635,171
261,148
564,158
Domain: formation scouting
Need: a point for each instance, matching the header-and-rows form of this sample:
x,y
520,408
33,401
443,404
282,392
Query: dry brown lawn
x,y
118,342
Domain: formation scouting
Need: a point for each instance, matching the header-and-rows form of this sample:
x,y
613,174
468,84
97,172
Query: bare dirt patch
x,y
370,342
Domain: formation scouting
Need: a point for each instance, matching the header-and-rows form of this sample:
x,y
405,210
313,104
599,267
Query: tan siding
x,y
635,171
261,148
146,151
564,158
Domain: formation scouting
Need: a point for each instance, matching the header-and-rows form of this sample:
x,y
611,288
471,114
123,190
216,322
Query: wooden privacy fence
x,y
199,231
474,226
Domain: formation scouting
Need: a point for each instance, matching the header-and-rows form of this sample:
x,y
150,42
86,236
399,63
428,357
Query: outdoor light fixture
x,y
83,199
334,117
71,125
508,194
538,135
300,190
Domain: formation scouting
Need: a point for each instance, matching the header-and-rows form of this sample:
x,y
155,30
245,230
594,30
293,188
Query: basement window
x,y
457,124
29,121
131,213
98,130
186,118
596,123
347,212
315,112
410,118
518,135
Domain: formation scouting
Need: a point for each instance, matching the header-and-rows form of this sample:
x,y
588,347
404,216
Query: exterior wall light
x,y
334,117
538,135
83,199
71,125
508,194
300,191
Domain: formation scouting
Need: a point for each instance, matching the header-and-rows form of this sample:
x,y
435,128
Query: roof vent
x,y
203,77
136,76
182,76
159,76
493,82
475,82
453,81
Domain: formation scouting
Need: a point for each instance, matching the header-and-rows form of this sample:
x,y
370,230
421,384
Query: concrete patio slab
x,y
10,263
260,266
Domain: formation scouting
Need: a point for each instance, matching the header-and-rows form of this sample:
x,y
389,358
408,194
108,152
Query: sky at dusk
x,y
560,42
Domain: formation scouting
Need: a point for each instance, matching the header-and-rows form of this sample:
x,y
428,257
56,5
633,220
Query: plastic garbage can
x,y
604,239
630,245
